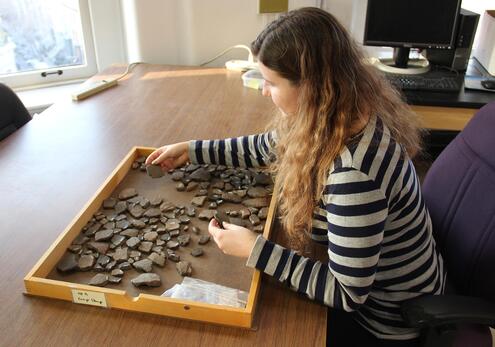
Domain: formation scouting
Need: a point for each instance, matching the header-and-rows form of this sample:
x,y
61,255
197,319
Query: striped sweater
x,y
371,217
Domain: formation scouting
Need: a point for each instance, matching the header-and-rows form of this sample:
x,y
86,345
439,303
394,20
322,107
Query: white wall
x,y
108,32
187,32
190,32
152,30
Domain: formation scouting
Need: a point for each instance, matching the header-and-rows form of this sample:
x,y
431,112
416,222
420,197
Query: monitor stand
x,y
401,64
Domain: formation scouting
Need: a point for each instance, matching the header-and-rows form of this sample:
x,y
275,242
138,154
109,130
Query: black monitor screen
x,y
411,23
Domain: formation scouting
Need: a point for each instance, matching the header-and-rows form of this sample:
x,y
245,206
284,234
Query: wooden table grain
x,y
53,165
444,118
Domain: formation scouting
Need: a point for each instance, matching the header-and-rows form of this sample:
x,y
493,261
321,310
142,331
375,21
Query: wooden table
x,y
444,118
52,166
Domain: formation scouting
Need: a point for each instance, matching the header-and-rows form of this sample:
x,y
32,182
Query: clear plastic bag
x,y
204,291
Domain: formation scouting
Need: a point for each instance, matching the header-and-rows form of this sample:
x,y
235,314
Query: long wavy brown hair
x,y
338,91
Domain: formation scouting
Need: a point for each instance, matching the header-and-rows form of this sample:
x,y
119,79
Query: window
x,y
45,41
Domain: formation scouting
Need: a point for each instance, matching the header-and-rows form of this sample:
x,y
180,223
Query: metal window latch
x,y
57,72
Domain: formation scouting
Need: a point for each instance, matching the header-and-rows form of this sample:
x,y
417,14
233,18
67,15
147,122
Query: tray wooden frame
x,y
37,284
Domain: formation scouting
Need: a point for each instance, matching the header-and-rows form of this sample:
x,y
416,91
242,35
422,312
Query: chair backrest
x,y
459,191
13,114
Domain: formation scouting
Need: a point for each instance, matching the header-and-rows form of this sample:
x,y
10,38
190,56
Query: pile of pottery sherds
x,y
132,231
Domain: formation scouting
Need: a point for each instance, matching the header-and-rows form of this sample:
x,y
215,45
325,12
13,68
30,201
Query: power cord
x,y
440,67
129,69
443,67
241,65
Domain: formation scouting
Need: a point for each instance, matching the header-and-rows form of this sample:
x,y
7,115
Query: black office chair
x,y
13,114
459,191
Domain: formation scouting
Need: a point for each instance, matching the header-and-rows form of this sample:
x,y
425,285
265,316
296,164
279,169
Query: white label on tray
x,y
88,298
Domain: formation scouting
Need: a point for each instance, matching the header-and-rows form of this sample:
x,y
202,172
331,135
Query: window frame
x,y
70,73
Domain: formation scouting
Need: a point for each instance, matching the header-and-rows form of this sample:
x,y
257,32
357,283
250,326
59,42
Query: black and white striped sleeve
x,y
245,151
356,212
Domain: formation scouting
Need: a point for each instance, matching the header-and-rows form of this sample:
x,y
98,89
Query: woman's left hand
x,y
233,240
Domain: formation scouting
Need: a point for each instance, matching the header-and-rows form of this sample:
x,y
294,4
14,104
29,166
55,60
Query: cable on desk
x,y
448,68
250,57
129,69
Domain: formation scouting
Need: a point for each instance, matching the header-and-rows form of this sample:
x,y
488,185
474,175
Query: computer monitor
x,y
406,24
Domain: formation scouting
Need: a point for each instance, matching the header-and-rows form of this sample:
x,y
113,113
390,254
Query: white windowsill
x,y
39,99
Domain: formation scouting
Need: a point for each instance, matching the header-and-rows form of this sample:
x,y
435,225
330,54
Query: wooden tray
x,y
43,280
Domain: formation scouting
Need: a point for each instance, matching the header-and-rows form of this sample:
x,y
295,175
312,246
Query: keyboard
x,y
432,84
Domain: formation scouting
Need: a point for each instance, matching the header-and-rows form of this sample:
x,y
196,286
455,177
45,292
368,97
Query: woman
x,y
341,150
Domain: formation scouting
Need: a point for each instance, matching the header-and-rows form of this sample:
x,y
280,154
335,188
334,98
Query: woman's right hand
x,y
170,156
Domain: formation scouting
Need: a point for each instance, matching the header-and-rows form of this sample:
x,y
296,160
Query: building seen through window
x,y
39,35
